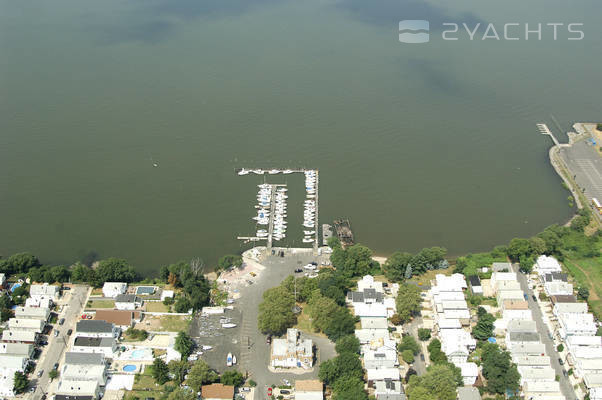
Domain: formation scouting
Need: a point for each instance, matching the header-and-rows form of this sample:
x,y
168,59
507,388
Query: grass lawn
x,y
425,279
174,323
101,304
156,306
588,272
144,386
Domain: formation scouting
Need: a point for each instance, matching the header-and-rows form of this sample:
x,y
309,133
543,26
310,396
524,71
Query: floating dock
x,y
344,232
326,233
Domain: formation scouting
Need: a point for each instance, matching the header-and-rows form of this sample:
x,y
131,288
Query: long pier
x,y
316,226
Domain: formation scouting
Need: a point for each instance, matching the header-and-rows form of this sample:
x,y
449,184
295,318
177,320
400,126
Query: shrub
x,y
407,356
424,334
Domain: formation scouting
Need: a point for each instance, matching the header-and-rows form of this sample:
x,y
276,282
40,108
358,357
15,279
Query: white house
x,y
309,389
368,282
127,302
370,335
504,295
536,374
556,288
96,329
113,289
470,372
374,310
380,358
7,384
167,294
104,345
529,348
78,389
292,352
571,324
44,291
545,265
17,349
389,389
26,324
497,277
33,313
577,308
18,336
40,301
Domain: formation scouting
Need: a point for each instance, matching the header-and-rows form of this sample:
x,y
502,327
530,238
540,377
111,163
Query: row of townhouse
x,y
17,346
84,372
373,306
451,316
522,339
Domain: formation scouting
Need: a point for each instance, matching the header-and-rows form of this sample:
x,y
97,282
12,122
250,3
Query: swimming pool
x,y
14,287
129,368
145,290
138,354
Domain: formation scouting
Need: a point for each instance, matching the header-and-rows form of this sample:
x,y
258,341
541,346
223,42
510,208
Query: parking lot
x,y
585,165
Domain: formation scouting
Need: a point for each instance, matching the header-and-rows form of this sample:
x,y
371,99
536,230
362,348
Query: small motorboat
x,y
234,360
229,360
229,325
287,171
274,171
207,347
243,172
258,171
309,232
306,240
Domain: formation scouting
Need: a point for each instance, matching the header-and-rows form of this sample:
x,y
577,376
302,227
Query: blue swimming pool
x,y
138,354
129,368
15,286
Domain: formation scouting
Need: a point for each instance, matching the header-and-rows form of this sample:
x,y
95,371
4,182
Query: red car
x,y
269,391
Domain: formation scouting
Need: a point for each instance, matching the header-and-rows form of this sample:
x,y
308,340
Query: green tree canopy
x,y
408,301
498,368
349,388
232,377
396,265
184,344
200,374
348,344
346,364
276,311
408,343
229,260
424,334
438,383
20,382
160,371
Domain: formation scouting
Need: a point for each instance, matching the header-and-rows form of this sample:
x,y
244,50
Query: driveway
x,y
565,385
55,349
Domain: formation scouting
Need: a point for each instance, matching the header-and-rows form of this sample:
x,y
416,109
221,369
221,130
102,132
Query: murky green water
x,y
419,145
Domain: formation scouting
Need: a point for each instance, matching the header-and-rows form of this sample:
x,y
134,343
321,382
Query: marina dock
x,y
326,234
344,232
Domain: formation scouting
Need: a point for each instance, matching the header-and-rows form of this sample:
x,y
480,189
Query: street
x,y
55,349
565,385
418,365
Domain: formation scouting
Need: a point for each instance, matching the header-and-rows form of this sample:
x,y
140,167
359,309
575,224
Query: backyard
x,y
588,273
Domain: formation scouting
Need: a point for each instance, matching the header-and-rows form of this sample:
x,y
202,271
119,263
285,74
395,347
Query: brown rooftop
x,y
217,391
117,317
308,385
516,305
563,298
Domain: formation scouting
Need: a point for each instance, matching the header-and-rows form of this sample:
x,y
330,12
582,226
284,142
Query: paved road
x,y
56,345
565,386
418,365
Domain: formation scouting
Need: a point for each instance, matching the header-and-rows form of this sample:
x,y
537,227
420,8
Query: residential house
x,y
167,294
382,357
470,372
96,328
468,392
554,276
501,267
527,360
7,384
217,391
545,265
292,352
475,284
563,298
380,374
508,285
373,310
498,277
576,324
123,319
374,323
84,358
368,282
25,324
85,372
389,389
536,374
309,389
17,349
44,291
41,301
574,308
104,345
18,336
114,289
542,390
369,335
32,313
10,363
528,348
77,389
504,295
367,296
558,288
127,302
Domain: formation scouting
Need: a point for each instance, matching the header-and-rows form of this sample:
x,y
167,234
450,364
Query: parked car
x,y
66,288
421,357
56,333
61,321
269,391
298,270
285,391
56,366
534,298
43,343
268,339
69,332
560,361
40,373
525,296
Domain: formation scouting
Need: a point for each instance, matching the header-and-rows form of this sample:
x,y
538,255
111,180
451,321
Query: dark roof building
x,y
563,298
94,326
74,358
93,341
556,276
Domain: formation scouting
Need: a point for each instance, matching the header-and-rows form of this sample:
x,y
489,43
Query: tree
x,y
357,261
428,258
484,328
407,356
409,374
178,369
276,311
408,301
184,344
114,270
498,368
396,266
517,248
424,334
435,354
20,382
438,383
160,371
53,374
342,323
396,319
182,305
343,364
560,347
229,260
583,293
348,344
349,388
172,279
408,343
82,273
408,272
232,377
200,374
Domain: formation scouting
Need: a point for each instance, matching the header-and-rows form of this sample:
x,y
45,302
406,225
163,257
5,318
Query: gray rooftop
x,y
75,358
94,326
93,342
126,298
524,337
468,393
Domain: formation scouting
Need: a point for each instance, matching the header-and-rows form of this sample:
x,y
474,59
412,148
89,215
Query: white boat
x,y
258,171
307,240
229,360
243,172
234,360
288,171
274,171
309,232
308,225
229,325
207,347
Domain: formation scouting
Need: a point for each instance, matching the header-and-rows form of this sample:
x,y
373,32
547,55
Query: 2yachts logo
x,y
418,31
